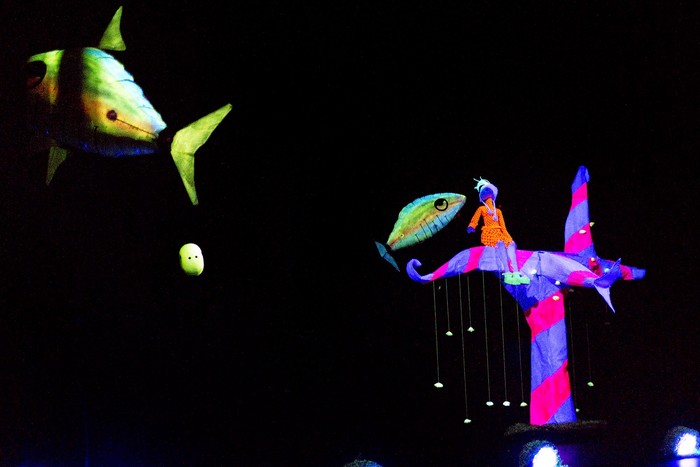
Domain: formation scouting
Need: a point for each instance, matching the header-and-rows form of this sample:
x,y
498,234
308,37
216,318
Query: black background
x,y
298,345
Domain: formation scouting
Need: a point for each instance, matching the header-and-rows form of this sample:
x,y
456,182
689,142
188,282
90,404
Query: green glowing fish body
x,y
85,100
420,220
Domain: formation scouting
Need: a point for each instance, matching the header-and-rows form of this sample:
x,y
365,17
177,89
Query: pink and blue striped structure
x,y
543,301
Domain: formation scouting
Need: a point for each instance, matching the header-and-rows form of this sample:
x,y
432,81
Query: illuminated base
x,y
579,443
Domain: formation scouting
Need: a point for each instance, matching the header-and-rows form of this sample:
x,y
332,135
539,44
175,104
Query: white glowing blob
x,y
191,259
546,457
687,445
438,384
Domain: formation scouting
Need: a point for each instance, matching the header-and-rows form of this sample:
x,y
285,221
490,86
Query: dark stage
x,y
298,345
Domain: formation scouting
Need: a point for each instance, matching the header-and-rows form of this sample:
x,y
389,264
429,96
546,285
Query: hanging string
x,y
438,384
469,302
464,359
570,318
489,402
588,352
506,402
520,356
447,310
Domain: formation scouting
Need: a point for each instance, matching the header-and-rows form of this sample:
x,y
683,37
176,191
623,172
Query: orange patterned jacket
x,y
493,230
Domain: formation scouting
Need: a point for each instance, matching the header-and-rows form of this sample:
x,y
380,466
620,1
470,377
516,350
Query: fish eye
x,y
440,204
34,73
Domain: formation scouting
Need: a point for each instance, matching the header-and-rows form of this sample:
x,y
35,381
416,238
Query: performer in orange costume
x,y
494,233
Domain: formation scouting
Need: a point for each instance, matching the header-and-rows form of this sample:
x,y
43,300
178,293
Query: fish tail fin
x,y
188,140
384,252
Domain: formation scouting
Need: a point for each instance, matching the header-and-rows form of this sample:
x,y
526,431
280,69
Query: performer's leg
x,y
513,260
517,276
502,257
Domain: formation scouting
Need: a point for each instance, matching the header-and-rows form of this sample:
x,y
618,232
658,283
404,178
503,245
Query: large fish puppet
x,y
84,100
419,220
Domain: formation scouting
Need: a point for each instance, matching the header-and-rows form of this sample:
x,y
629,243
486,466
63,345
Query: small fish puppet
x,y
84,100
420,220
191,259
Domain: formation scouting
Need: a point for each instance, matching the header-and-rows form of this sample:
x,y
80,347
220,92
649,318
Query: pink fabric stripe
x,y
579,242
544,315
578,278
546,399
522,256
581,194
474,258
439,272
626,272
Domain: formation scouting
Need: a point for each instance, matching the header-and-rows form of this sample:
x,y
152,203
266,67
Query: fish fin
x,y
610,277
112,37
605,293
57,156
188,140
603,283
384,252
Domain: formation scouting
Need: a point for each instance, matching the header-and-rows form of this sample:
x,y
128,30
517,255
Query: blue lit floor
x,y
593,444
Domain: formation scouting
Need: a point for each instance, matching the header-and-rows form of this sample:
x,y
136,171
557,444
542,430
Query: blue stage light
x,y
539,453
362,463
681,441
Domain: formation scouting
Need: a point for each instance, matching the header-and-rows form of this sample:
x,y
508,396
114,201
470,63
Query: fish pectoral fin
x,y
57,156
384,253
112,37
188,140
